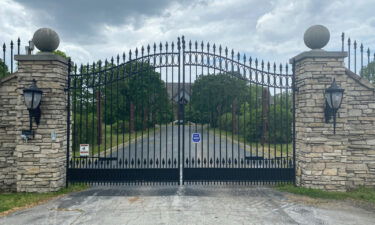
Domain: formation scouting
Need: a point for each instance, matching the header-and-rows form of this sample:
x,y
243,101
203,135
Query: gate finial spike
x,y
262,64
274,67
130,54
202,45
118,59
286,68
142,50
172,45
196,45
190,44
238,56
268,66
160,47
220,49
136,52
154,47
148,48
166,46
123,57
112,61
208,46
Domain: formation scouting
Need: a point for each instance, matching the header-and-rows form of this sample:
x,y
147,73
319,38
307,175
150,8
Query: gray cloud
x,y
79,20
270,30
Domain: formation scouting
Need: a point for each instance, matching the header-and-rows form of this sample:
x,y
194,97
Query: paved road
x,y
189,205
162,145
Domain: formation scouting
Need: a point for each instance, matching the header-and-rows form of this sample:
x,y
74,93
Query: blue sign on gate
x,y
196,137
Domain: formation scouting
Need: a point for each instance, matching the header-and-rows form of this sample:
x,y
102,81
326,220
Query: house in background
x,y
177,96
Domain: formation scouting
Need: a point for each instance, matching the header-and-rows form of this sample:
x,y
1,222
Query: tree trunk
x,y
99,121
265,109
132,117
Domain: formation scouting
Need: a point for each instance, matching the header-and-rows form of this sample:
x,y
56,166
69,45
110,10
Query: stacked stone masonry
x,y
37,165
325,160
8,101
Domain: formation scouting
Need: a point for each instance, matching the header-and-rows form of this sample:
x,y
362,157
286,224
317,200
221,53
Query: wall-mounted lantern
x,y
333,96
32,97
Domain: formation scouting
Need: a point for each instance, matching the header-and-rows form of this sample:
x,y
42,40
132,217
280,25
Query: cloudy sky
x,y
268,29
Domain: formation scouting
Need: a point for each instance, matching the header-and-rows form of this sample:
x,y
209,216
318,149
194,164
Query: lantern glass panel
x,y
328,98
28,96
336,99
37,98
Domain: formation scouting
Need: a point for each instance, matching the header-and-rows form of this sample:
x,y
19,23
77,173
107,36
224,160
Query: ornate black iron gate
x,y
180,113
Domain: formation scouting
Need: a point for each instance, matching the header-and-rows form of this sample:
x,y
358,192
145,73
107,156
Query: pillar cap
x,y
41,57
318,53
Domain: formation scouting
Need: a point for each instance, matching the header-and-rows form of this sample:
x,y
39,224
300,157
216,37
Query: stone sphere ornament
x,y
46,40
316,37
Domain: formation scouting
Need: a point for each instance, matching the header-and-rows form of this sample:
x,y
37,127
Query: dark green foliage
x,y
228,103
3,69
368,72
213,95
133,92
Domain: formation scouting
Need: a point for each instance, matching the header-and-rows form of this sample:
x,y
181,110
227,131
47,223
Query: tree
x,y
214,95
369,72
3,69
60,53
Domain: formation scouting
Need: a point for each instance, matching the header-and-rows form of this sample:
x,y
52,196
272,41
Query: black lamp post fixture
x,y
32,97
333,96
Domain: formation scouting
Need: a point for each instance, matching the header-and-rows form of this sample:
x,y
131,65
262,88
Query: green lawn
x,y
268,148
117,140
362,193
10,201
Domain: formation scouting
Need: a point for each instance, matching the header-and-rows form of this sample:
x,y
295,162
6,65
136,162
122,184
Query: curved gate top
x,y
181,112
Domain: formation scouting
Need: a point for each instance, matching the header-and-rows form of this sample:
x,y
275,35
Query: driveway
x,y
189,205
163,145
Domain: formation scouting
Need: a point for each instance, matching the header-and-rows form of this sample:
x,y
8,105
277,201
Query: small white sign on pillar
x,y
84,149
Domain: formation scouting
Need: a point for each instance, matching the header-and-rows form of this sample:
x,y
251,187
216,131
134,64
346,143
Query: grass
x,y
268,148
122,139
11,201
361,194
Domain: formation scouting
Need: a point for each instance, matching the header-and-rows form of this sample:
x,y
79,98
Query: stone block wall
x,y
8,101
325,160
41,161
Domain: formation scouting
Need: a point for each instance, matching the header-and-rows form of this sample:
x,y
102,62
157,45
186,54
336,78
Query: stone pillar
x,y
41,161
320,154
325,160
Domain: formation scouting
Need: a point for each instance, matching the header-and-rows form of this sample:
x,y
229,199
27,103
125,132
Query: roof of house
x,y
172,89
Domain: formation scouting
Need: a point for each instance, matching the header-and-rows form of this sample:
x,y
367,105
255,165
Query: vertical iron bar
x,y
4,49
178,111
183,106
68,127
11,56
294,118
93,110
142,103
349,53
355,56
111,109
342,41
105,107
18,45
117,111
361,49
